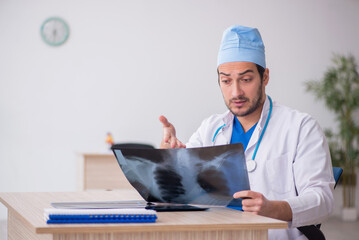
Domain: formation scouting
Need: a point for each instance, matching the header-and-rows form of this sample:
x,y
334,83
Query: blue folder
x,y
64,216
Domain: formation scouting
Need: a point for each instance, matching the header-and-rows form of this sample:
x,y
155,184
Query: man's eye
x,y
225,81
246,79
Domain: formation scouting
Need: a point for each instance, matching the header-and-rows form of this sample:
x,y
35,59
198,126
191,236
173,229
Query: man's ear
x,y
266,77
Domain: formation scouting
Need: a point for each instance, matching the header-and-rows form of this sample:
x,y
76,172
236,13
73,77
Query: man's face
x,y
242,87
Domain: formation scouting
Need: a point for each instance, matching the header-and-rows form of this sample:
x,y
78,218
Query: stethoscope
x,y
251,164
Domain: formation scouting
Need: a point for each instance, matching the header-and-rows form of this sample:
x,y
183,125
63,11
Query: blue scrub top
x,y
239,136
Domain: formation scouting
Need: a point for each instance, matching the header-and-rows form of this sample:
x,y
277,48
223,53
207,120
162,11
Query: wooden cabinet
x,y
100,171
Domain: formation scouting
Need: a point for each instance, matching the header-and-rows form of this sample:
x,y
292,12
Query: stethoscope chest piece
x,y
251,165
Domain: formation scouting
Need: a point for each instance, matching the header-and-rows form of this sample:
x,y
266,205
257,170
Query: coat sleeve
x,y
197,138
204,134
313,176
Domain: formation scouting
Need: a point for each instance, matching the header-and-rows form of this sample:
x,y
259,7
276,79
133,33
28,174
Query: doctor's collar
x,y
264,113
228,118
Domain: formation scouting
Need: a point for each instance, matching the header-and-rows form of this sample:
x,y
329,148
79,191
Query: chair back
x,y
337,172
313,231
133,145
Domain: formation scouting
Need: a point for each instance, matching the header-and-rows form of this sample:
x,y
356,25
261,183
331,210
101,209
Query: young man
x,y
288,160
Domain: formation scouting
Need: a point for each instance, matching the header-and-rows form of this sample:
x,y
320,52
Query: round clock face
x,y
54,31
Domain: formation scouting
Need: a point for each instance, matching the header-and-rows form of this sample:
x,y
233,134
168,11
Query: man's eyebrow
x,y
242,73
247,71
225,74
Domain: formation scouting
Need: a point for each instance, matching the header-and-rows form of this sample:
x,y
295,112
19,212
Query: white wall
x,y
127,62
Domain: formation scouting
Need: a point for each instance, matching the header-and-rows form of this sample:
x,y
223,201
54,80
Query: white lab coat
x,y
293,163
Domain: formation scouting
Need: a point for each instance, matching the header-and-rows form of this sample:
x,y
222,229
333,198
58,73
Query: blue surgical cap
x,y
241,44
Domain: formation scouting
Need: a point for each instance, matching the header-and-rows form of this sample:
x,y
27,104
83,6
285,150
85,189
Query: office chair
x,y
132,145
313,231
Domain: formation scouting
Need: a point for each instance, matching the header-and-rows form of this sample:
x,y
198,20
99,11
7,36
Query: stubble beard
x,y
256,103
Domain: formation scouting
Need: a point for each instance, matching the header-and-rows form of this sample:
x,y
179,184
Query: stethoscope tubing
x,y
264,129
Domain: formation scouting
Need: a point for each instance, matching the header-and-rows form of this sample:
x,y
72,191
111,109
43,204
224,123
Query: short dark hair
x,y
260,70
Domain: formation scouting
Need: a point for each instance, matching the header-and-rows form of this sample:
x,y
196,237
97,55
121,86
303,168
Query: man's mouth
x,y
238,102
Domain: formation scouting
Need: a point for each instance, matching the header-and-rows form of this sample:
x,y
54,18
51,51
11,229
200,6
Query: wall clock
x,y
54,31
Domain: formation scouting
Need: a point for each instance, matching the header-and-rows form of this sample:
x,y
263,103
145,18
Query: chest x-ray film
x,y
207,176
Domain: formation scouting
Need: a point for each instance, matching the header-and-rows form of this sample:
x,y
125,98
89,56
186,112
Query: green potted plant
x,y
339,88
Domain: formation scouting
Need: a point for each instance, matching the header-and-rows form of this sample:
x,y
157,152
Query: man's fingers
x,y
169,139
164,121
252,209
165,138
168,130
173,142
244,194
249,202
180,144
252,201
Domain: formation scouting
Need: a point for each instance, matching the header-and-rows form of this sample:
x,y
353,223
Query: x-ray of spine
x,y
208,175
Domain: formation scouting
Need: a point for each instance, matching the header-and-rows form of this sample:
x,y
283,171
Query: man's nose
x,y
236,89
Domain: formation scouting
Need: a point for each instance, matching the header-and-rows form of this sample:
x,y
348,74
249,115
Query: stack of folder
x,y
61,216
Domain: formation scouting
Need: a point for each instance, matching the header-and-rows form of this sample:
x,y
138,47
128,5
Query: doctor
x,y
288,160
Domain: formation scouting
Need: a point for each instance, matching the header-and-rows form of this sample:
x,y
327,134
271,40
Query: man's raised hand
x,y
169,139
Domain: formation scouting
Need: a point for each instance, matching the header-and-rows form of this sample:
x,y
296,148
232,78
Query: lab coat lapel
x,y
224,137
258,130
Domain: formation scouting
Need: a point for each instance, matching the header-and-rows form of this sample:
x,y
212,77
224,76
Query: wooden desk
x,y
100,171
25,221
